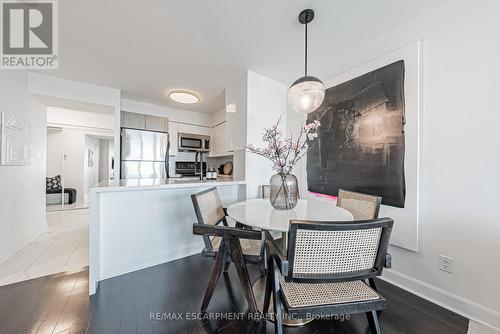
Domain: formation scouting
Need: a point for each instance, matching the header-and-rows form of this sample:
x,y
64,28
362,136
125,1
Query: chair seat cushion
x,y
249,247
311,294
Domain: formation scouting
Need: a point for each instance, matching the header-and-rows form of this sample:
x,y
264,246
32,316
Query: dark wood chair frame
x,y
280,266
229,251
209,251
388,259
229,248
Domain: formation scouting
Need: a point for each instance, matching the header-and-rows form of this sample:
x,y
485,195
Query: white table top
x,y
260,213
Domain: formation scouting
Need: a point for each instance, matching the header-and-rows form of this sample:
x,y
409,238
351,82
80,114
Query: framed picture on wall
x,y
15,147
369,138
91,158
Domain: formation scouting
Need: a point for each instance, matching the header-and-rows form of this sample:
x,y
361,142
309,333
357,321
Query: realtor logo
x,y
29,34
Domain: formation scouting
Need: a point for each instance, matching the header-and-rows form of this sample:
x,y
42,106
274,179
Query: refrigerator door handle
x,y
167,160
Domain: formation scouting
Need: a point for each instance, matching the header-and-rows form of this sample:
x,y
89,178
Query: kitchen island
x,y
135,224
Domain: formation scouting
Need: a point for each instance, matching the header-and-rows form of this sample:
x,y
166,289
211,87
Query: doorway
x,y
79,157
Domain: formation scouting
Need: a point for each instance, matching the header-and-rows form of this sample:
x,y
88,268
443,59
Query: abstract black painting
x,y
361,140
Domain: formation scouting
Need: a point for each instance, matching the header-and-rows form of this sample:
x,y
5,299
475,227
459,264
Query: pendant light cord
x,y
305,65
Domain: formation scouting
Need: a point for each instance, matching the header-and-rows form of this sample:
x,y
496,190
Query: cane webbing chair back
x,y
265,191
208,207
337,250
361,206
209,210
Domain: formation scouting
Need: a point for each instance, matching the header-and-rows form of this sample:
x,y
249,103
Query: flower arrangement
x,y
285,153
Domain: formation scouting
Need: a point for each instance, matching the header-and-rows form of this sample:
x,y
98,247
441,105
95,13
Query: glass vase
x,y
284,191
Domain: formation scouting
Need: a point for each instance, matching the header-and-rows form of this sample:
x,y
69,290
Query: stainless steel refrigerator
x,y
144,154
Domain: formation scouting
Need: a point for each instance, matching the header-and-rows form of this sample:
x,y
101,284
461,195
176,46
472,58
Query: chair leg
x,y
374,322
214,277
227,261
278,321
239,263
372,283
226,266
268,291
262,268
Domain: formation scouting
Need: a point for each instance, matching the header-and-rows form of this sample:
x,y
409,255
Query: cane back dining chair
x,y
361,206
225,244
265,191
326,270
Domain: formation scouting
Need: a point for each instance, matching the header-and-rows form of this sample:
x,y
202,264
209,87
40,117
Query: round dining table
x,y
260,214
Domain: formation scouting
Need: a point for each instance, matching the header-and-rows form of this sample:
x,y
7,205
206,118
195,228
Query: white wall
x,y
260,102
91,173
71,142
70,146
267,102
68,117
460,160
54,152
69,137
22,188
65,92
236,93
218,117
175,115
65,89
106,150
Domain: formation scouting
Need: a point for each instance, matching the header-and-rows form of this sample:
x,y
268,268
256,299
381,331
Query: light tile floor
x,y
64,246
79,204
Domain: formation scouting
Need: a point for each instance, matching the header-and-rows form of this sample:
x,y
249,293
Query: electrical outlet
x,y
446,263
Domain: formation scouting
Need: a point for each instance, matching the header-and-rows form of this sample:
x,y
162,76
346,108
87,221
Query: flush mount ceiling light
x,y
307,93
183,96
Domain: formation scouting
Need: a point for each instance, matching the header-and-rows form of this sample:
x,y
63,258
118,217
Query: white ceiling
x,y
146,48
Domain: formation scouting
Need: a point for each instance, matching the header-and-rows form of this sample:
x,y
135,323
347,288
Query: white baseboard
x,y
125,267
465,307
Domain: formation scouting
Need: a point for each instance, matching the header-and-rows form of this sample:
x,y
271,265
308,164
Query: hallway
x,y
62,247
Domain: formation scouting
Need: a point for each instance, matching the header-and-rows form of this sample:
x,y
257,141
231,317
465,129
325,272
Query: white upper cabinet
x,y
173,137
133,120
194,129
156,123
236,95
143,122
219,141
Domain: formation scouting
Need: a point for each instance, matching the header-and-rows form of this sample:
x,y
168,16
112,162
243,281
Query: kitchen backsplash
x,y
189,156
216,162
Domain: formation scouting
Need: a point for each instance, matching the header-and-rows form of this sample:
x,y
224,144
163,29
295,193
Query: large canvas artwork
x,y
361,141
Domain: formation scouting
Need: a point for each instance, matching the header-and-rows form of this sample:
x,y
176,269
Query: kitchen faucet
x,y
201,164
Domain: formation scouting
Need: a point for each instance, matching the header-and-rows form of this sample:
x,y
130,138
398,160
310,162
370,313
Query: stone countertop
x,y
146,184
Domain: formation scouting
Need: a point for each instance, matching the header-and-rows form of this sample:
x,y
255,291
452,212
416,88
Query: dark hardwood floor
x,y
59,304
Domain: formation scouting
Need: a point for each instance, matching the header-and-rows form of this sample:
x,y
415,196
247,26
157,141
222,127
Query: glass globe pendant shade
x,y
306,94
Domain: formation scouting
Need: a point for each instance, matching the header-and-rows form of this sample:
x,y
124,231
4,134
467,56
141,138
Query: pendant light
x,y
307,93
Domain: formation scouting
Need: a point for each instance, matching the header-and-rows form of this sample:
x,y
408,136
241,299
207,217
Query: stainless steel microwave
x,y
191,142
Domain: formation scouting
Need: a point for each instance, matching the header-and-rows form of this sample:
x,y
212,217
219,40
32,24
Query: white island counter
x,y
136,224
